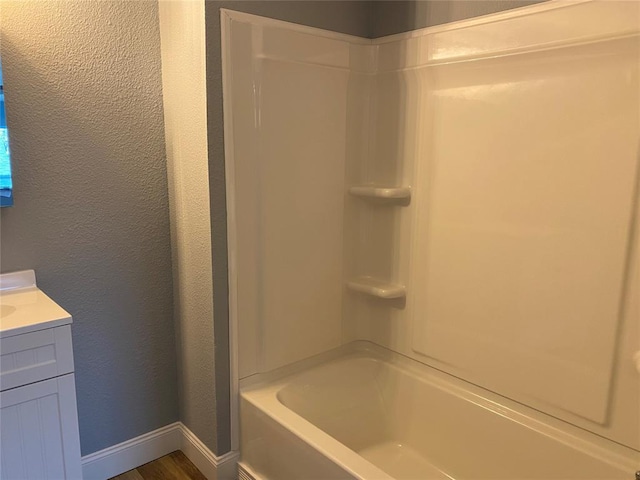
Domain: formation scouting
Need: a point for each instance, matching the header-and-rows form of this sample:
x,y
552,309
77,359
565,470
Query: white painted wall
x,y
182,32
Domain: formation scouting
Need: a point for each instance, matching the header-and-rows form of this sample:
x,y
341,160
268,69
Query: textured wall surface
x,y
182,31
395,16
84,106
346,17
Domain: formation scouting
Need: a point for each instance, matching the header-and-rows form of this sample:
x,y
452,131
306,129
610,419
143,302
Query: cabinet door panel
x,y
37,433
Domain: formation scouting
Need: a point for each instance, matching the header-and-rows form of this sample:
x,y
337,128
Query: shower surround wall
x,y
516,247
300,113
497,207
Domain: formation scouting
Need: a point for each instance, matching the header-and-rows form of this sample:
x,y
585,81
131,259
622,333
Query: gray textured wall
x,y
84,106
395,16
182,35
343,16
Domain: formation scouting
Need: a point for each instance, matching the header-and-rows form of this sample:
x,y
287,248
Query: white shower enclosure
x,y
464,197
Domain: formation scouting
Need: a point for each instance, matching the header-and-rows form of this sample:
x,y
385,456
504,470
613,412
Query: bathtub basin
x,y
363,412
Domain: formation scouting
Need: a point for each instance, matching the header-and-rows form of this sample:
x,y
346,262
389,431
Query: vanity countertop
x,y
25,308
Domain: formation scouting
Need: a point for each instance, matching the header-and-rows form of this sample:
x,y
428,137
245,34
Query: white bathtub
x,y
363,412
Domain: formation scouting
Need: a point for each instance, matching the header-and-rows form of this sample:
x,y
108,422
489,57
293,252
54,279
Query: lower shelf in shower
x,y
376,288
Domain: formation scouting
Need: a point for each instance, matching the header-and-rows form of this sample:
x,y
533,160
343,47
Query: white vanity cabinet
x,y
38,415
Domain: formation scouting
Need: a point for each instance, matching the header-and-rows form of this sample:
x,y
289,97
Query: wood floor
x,y
175,466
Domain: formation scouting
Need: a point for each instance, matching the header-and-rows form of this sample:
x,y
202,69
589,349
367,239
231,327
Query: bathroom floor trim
x,y
128,455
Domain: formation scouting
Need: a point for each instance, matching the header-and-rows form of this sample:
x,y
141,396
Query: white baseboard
x,y
212,466
128,455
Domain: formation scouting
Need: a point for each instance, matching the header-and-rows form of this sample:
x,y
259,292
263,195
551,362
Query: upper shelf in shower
x,y
373,191
376,288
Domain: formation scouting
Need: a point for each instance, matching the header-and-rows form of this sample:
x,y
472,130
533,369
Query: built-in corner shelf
x,y
376,288
379,192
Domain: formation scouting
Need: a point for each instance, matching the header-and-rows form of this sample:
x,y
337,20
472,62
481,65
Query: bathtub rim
x,y
261,390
